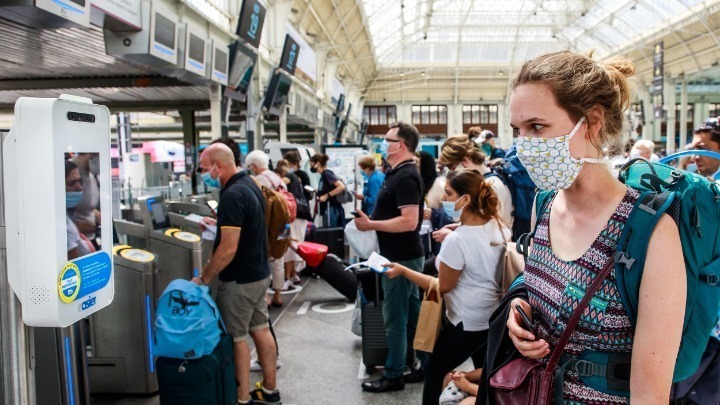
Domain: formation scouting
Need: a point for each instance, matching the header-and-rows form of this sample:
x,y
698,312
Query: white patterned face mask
x,y
548,160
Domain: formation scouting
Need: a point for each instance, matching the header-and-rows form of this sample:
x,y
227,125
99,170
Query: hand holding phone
x,y
527,323
355,214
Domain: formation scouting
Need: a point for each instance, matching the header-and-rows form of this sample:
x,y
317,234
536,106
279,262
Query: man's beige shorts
x,y
243,307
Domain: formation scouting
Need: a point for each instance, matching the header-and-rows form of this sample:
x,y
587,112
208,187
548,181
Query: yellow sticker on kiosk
x,y
69,283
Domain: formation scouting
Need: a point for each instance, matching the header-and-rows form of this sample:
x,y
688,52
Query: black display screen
x,y
277,92
220,61
196,50
290,53
241,65
79,2
250,24
164,31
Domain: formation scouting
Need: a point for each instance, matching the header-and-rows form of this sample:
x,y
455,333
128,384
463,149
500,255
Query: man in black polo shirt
x,y
241,265
397,219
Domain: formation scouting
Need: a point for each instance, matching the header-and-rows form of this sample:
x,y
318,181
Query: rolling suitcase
x,y
332,270
207,380
333,238
374,341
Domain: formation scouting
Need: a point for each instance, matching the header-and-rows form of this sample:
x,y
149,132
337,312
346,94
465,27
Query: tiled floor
x,y
321,358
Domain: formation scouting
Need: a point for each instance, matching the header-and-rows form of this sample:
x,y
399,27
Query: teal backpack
x,y
694,204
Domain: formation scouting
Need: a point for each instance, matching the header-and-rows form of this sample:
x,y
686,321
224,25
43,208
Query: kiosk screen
x,y
82,203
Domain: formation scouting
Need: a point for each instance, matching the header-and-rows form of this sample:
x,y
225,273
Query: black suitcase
x,y
332,270
207,380
333,238
374,341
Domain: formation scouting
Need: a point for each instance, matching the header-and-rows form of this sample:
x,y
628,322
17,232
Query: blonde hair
x,y
457,148
580,84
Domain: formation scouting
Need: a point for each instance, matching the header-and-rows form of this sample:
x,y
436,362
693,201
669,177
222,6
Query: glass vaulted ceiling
x,y
504,33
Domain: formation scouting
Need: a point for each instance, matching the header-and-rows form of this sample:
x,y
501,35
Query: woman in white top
x,y
469,277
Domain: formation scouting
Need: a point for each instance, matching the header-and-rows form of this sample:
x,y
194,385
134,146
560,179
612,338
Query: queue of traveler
x,y
565,109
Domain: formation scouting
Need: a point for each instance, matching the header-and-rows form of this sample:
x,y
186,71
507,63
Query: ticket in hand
x,y
376,261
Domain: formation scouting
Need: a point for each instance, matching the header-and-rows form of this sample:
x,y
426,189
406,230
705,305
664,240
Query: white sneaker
x,y
288,285
255,365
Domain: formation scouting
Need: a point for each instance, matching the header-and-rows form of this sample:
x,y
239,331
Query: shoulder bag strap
x,y
594,287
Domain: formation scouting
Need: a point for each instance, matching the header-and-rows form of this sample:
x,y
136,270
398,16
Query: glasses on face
x,y
392,140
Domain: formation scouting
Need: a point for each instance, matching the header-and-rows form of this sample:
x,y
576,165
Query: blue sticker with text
x,y
95,271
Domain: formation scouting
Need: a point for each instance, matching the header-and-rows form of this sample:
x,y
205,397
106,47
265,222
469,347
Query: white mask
x,y
548,160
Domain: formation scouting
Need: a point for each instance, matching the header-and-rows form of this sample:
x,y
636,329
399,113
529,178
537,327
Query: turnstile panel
x,y
121,334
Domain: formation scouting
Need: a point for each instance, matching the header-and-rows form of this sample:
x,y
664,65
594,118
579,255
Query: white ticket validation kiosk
x,y
56,161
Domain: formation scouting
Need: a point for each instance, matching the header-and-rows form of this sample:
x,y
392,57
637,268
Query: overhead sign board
x,y
250,25
307,61
290,52
656,89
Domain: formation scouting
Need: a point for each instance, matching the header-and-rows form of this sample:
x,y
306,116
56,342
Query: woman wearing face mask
x,y
373,181
328,188
564,108
77,244
467,265
460,152
87,215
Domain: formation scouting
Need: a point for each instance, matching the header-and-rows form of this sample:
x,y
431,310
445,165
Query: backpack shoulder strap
x,y
542,200
633,244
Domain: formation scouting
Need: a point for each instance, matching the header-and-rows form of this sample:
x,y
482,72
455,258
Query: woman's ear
x,y
595,119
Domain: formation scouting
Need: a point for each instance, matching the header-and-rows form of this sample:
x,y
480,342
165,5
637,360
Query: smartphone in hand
x,y
527,324
212,204
355,214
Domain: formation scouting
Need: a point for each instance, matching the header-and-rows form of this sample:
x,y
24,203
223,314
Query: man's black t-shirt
x,y
242,205
402,187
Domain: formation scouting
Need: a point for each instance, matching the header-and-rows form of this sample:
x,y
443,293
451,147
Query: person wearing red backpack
x,y
258,162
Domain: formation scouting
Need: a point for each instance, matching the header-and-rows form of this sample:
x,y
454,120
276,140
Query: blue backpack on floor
x,y
693,202
187,321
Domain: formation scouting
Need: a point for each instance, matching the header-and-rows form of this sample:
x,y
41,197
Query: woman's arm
x,y
661,310
447,278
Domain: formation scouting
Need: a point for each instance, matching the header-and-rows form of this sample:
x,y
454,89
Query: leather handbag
x,y
527,382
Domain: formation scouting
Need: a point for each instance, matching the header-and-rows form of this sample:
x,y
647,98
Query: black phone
x,y
527,323
355,214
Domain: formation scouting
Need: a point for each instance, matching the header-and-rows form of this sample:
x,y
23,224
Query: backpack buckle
x,y
624,259
712,279
584,368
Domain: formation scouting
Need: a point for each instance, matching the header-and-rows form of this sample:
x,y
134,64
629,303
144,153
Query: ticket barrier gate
x,y
179,252
121,358
58,352
180,217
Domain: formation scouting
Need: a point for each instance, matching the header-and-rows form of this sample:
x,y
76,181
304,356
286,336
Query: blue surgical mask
x,y
364,176
449,208
72,198
383,150
209,180
692,168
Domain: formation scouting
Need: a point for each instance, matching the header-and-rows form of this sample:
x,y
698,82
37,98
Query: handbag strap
x,y
570,328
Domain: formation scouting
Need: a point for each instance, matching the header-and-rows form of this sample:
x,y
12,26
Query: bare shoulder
x,y
664,247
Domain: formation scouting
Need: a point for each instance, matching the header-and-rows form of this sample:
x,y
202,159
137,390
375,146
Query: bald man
x,y
241,264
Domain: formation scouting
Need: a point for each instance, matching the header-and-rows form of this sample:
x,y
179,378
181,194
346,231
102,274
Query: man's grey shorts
x,y
243,307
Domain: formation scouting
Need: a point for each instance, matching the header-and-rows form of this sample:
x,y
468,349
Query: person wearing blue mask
x,y
240,261
467,277
373,180
78,245
396,219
